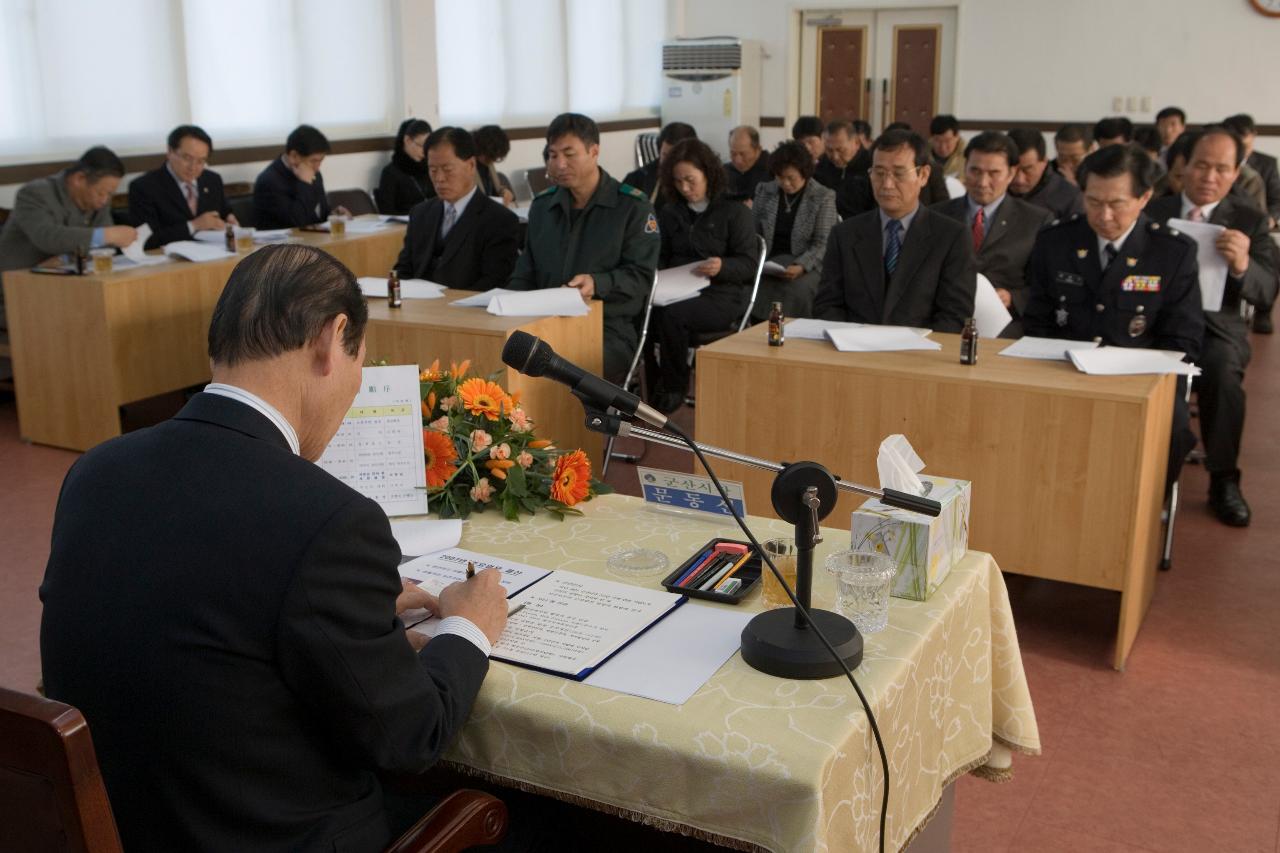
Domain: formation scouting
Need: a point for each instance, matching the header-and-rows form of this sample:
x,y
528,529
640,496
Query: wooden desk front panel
x,y
428,329
1066,485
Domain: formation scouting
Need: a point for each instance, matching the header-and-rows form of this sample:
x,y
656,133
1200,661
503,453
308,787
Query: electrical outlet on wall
x,y
1146,103
1117,104
1133,104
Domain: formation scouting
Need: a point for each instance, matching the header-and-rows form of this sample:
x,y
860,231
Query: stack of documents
x,y
816,330
551,302
678,284
410,288
133,253
1045,349
1128,361
219,238
880,339
481,300
199,252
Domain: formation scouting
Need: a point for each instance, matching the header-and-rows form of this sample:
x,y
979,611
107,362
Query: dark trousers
x,y
672,330
1220,394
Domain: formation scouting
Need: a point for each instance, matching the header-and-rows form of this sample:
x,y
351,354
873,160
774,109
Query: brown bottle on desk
x,y
393,290
231,238
969,342
776,336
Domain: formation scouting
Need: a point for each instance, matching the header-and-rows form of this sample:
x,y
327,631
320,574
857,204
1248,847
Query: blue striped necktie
x,y
892,247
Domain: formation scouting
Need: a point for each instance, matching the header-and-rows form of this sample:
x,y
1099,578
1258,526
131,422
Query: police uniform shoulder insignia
x,y
1082,253
1074,217
651,224
1055,222
627,189
1174,232
1155,226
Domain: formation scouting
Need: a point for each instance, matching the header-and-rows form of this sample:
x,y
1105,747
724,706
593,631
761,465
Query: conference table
x,y
1067,469
754,762
83,346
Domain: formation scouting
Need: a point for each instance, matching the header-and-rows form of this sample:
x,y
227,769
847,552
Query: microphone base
x,y
772,644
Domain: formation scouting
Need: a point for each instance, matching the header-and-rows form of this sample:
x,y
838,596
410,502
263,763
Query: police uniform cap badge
x,y
1082,253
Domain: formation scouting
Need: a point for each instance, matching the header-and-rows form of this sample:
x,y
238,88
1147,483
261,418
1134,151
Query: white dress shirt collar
x,y
260,405
461,205
1206,209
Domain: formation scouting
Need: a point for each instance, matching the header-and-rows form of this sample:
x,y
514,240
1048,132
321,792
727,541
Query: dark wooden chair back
x,y
357,201
51,792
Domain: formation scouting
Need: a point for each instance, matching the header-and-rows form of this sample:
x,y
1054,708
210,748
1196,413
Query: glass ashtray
x,y
638,561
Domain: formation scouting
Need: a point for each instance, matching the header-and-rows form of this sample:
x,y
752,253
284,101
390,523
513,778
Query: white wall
x,y
1049,60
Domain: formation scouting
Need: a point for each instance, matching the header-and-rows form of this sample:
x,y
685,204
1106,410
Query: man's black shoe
x,y
1226,501
1262,323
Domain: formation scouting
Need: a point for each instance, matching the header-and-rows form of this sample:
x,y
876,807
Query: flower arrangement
x,y
481,452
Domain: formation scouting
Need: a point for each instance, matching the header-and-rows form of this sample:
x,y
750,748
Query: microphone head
x,y
527,354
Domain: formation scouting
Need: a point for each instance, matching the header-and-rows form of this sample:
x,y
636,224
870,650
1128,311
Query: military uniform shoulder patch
x,y
627,189
651,224
548,191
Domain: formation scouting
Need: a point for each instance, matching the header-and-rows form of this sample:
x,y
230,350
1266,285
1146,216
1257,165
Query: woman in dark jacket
x,y
698,224
492,147
404,180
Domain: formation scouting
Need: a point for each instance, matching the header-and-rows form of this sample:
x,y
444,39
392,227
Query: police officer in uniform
x,y
591,233
1117,277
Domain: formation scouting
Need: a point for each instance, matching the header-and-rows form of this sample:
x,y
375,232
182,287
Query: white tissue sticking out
x,y
898,464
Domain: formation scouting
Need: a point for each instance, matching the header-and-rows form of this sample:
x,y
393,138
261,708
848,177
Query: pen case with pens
x,y
724,570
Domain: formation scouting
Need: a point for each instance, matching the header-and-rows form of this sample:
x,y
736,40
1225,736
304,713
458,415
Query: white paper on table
x,y
410,288
402,218
134,252
548,302
803,328
880,339
418,536
1045,349
481,300
774,268
1129,361
198,252
676,284
378,448
988,310
671,661
1213,266
433,572
365,226
272,235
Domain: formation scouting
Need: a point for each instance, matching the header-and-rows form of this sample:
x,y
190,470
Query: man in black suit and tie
x,y
900,264
462,238
290,192
182,196
1212,168
224,612
1003,228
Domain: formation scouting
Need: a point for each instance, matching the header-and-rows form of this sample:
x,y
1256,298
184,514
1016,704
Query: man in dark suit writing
x,y
183,196
900,264
224,612
461,238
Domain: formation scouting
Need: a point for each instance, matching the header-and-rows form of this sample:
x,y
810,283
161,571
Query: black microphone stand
x,y
780,642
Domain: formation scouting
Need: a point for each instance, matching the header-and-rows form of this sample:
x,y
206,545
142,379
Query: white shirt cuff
x,y
191,227
461,626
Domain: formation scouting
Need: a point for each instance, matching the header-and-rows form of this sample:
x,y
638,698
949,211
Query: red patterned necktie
x,y
190,191
978,231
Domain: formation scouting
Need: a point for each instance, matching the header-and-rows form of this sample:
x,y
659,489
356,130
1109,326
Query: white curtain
x,y
524,61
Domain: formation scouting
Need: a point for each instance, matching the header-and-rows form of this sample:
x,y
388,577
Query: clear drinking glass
x,y
244,240
863,580
338,225
783,554
103,260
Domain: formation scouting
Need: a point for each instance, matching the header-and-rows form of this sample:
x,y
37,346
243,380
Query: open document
x,y
548,302
1045,349
378,449
482,299
410,288
1128,361
677,284
1212,263
880,339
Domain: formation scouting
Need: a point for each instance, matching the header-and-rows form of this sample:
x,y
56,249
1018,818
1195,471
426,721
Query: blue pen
x,y
694,566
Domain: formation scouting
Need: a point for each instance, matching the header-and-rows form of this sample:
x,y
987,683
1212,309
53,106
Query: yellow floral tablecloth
x,y
753,761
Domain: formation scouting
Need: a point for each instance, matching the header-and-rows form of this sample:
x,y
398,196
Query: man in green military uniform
x,y
591,233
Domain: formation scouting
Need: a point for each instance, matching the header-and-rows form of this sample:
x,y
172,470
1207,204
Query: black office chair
x,y
358,202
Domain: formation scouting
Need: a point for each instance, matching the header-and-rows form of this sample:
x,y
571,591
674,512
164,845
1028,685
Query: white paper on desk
x,y
482,300
1045,349
197,252
880,339
803,328
378,448
548,302
365,226
988,310
898,465
1129,361
272,235
410,288
418,536
677,656
402,218
433,572
774,268
135,254
676,284
1213,266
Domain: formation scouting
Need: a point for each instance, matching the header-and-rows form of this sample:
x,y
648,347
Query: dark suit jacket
x,y
280,200
478,254
932,285
398,191
1007,247
1057,195
741,186
852,187
156,199
1265,166
645,179
1259,283
223,613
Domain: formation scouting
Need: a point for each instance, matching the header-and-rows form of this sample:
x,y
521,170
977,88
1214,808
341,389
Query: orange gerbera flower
x,y
482,397
441,454
572,478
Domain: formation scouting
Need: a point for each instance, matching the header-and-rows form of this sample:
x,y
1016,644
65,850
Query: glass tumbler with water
x,y
863,580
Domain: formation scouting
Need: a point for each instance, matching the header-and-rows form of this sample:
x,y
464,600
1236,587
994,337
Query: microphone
x,y
532,356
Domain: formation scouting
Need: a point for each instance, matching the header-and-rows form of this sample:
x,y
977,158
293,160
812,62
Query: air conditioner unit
x,y
713,84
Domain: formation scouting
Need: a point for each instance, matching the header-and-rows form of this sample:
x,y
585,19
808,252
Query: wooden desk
x,y
85,345
428,329
1068,470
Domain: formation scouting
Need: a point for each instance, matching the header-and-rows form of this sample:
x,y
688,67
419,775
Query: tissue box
x,y
923,549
